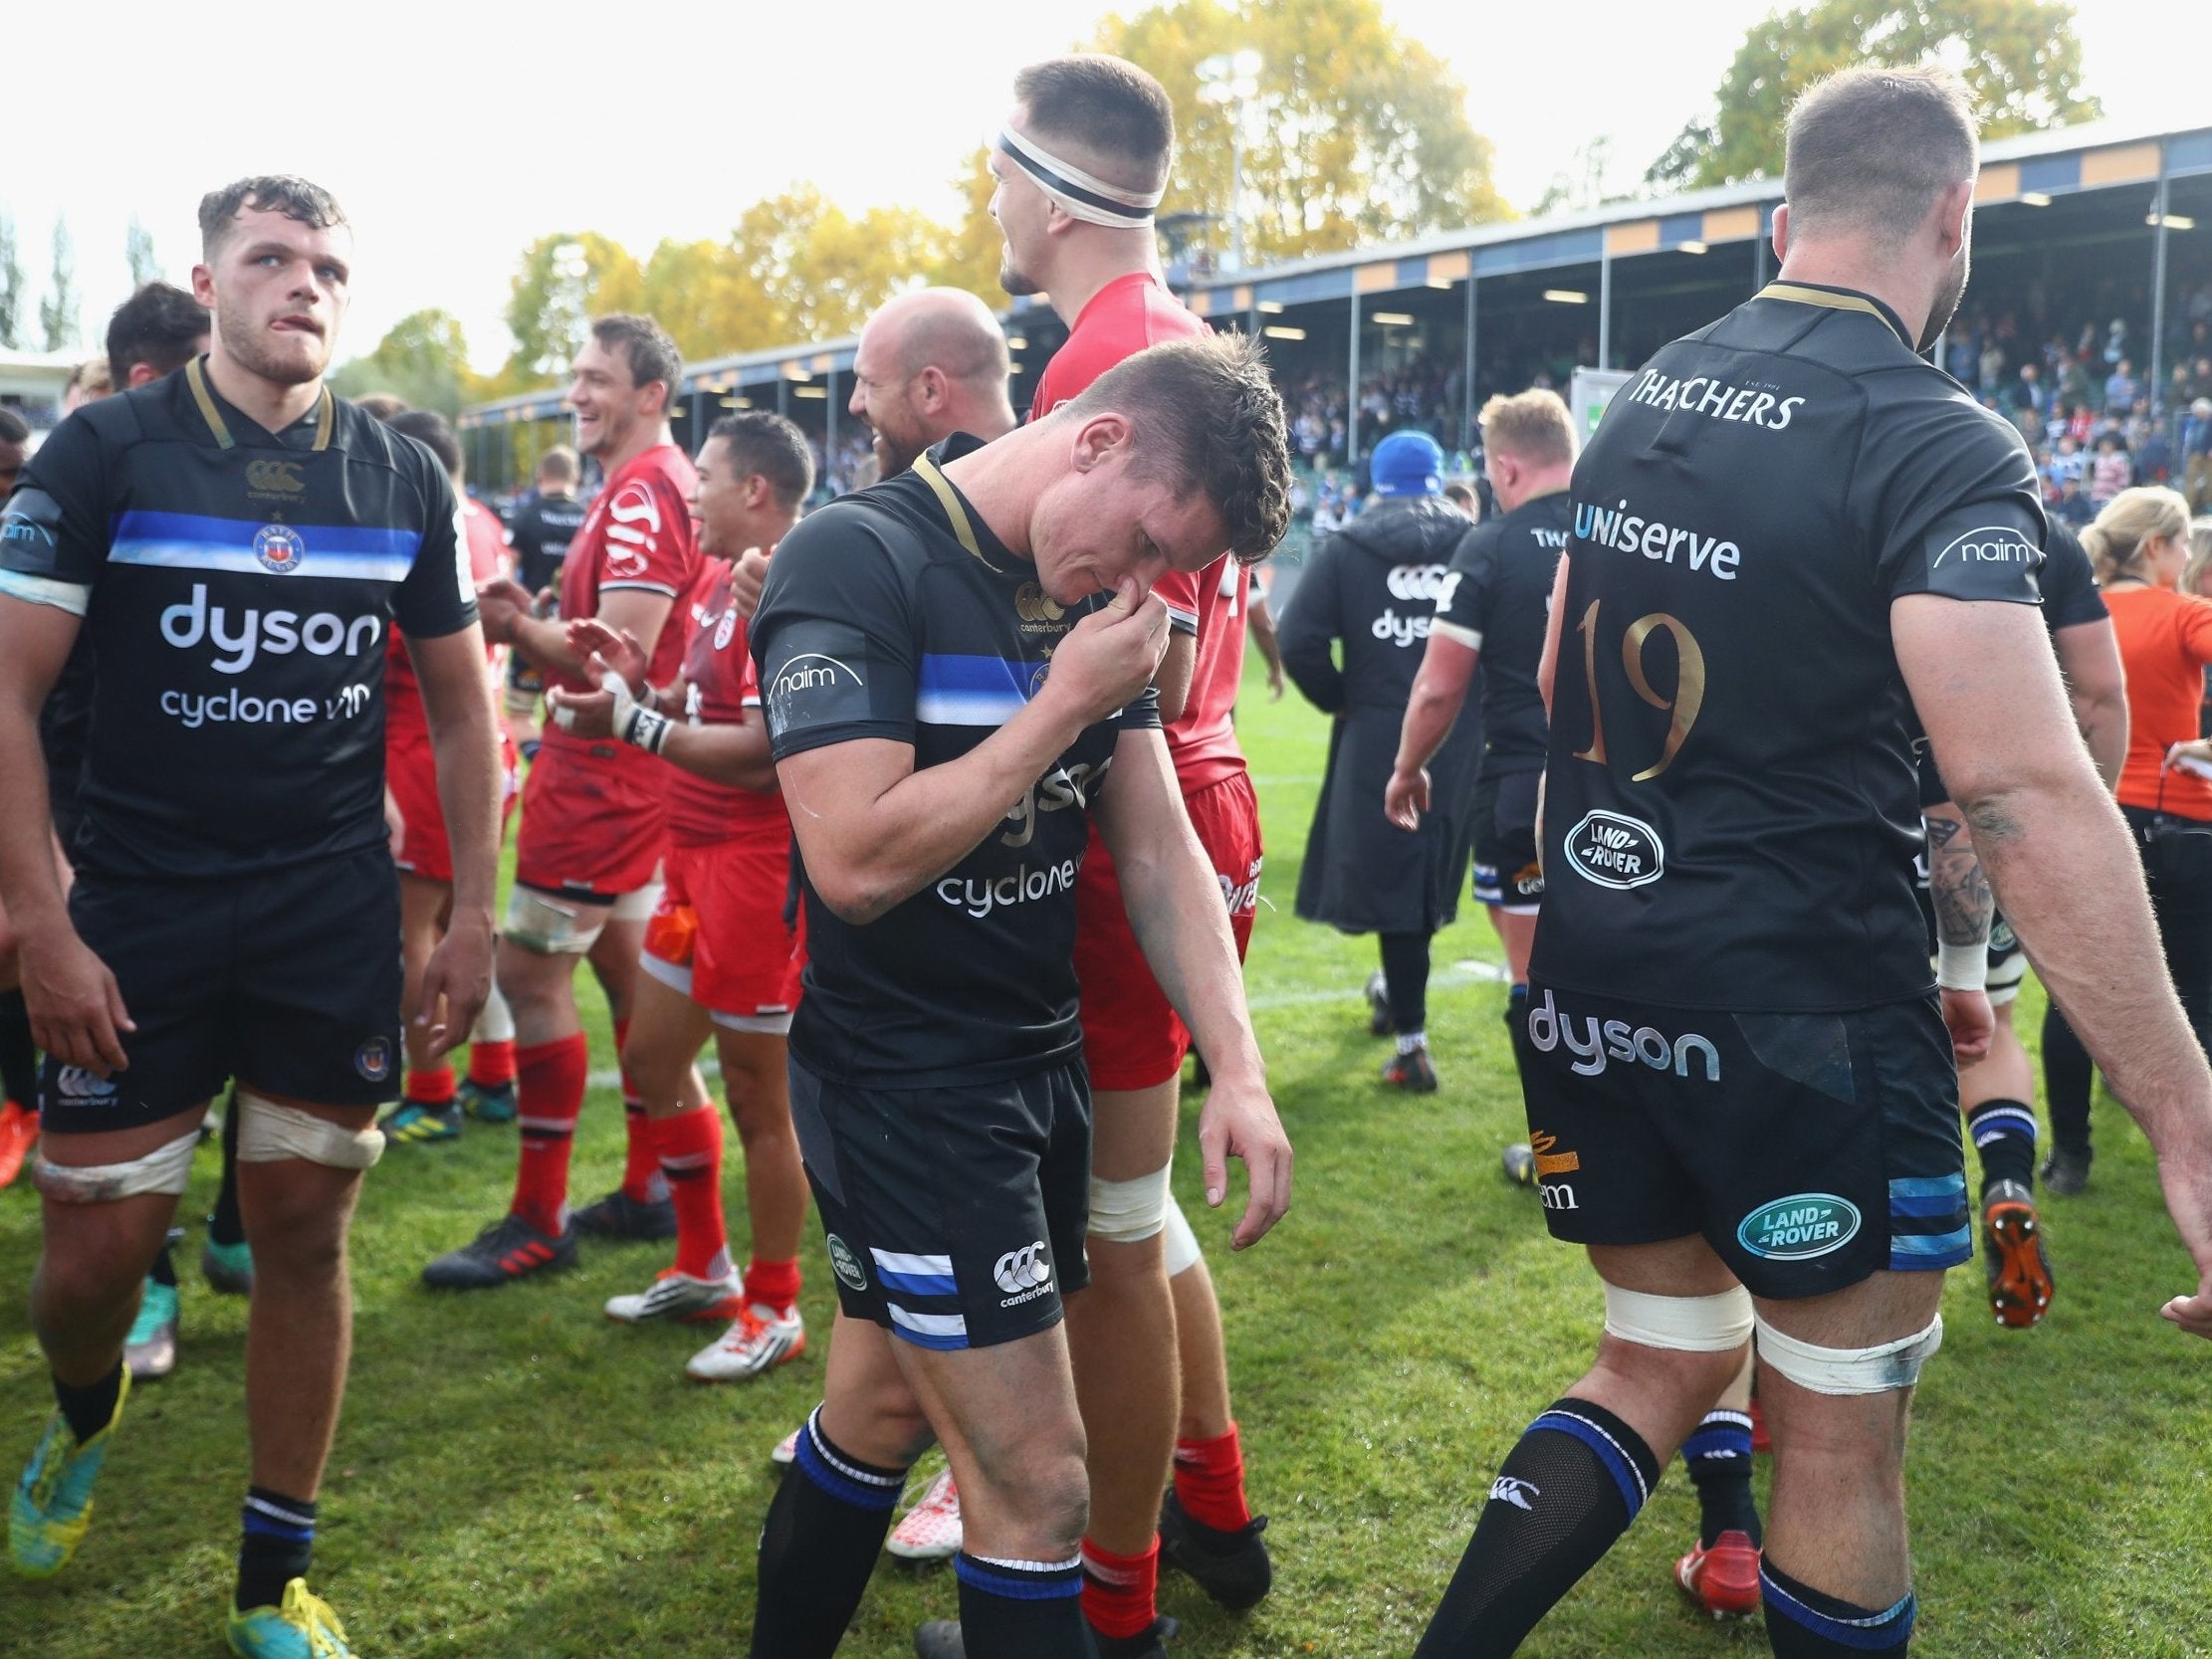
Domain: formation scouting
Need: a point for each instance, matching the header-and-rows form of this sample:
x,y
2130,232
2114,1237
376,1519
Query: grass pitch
x,y
516,1478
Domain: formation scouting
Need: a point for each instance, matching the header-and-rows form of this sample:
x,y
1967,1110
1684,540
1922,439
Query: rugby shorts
x,y
411,774
1132,1037
1506,871
288,982
719,934
1810,1151
955,1216
593,828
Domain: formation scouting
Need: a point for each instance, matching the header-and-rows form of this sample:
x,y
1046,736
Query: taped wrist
x,y
1962,967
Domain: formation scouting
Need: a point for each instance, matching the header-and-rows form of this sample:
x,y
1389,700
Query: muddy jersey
x,y
887,615
719,686
239,588
1732,813
1496,599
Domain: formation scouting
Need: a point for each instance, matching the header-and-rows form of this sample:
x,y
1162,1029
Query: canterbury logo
x,y
1023,1269
1511,1489
1032,604
280,477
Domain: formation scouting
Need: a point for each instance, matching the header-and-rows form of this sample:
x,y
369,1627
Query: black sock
x,y
1718,1457
276,1540
1406,976
1806,1623
2068,1076
19,1060
1022,1609
89,1409
1567,1490
224,1224
2004,1134
1516,1027
164,1271
824,1529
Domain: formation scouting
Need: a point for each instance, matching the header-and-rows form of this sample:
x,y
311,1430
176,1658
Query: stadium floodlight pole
x,y
1352,386
2158,217
1466,386
1232,81
1605,307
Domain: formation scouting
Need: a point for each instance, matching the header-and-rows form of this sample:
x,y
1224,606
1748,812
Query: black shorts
x,y
1506,873
955,1216
288,982
1810,1151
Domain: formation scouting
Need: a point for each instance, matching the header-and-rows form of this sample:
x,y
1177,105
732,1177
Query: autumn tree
x,y
565,279
423,357
2021,59
821,269
57,309
11,284
137,248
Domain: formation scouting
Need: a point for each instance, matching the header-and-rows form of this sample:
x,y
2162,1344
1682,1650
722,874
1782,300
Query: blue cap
x,y
1407,464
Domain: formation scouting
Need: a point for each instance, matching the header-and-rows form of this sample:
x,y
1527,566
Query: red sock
x,y
550,1080
771,1284
491,1065
431,1088
1210,1482
641,1165
689,1149
1120,1592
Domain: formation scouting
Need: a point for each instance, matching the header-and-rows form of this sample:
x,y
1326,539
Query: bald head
x,y
931,363
946,329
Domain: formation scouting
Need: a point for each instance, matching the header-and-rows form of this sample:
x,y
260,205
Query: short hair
x,y
14,429
1873,148
383,406
295,198
1531,426
1208,418
90,377
645,347
559,462
2147,512
964,341
160,325
1462,497
771,447
434,433
1108,106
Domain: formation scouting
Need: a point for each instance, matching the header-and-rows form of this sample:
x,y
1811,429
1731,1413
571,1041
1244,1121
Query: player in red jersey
x,y
428,1110
721,953
593,814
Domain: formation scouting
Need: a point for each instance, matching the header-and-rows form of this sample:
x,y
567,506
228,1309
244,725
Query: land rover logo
x,y
1615,851
1799,1227
846,1265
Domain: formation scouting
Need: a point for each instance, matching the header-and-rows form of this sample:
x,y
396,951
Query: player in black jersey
x,y
1786,525
540,528
929,650
235,542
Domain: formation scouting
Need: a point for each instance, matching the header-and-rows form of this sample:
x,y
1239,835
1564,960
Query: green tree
x,y
565,279
57,309
2021,59
423,357
11,284
137,248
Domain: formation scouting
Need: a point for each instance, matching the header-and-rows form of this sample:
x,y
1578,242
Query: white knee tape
x,y
164,1169
269,1133
1689,1323
638,906
551,926
1182,1247
497,1023
1128,1212
1851,1371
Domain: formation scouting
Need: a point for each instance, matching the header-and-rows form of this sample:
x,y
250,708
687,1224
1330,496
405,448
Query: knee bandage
x,y
553,926
1689,1323
497,1023
166,1169
638,906
1181,1249
1128,1212
269,1133
1851,1371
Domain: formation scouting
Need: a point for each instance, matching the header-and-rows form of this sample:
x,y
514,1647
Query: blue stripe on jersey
x,y
194,541
972,691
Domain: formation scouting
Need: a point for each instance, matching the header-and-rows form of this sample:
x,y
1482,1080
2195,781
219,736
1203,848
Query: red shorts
x,y
718,935
593,827
411,774
1132,1039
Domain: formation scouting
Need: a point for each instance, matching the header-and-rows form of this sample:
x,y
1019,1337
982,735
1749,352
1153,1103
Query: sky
x,y
455,137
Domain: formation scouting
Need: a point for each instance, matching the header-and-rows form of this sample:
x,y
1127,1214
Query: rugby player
x,y
19,1117
236,543
593,816
720,957
543,522
936,1083
1731,1025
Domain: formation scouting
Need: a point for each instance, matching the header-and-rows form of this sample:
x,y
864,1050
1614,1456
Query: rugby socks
x,y
1718,1457
824,1529
1408,1041
1516,1027
688,1150
642,1182
1022,1609
277,1539
1121,1593
1566,1491
548,1092
492,1065
1406,979
1804,1623
1210,1482
434,1088
225,1225
164,1271
19,1059
771,1284
2068,1074
92,1408
2004,1134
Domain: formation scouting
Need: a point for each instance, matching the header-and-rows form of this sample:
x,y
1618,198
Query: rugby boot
x,y
302,1628
53,1502
787,1449
678,1295
2019,1269
1520,1164
19,1132
940,1638
149,1351
1411,1072
508,1249
1724,1579
761,1339
1233,1567
1379,1022
488,1102
619,1216
931,1529
228,1268
412,1122
2065,1172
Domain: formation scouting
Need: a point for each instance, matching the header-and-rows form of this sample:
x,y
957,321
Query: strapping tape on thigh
x,y
1687,1323
166,1169
638,906
1128,1212
1181,1249
1851,1371
269,1134
549,926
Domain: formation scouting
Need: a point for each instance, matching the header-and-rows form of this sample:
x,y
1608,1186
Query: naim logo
x,y
1799,1227
1991,544
846,1265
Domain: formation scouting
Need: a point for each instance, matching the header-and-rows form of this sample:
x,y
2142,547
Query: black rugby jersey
x,y
1494,599
237,588
539,533
877,621
1731,812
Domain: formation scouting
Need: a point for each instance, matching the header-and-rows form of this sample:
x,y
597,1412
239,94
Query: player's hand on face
x,y
455,986
616,649
1406,798
1971,1022
585,714
77,1012
1112,653
1239,1121
749,573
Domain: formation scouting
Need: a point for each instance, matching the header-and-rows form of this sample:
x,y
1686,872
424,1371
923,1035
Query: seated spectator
x,y
2111,471
2120,390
